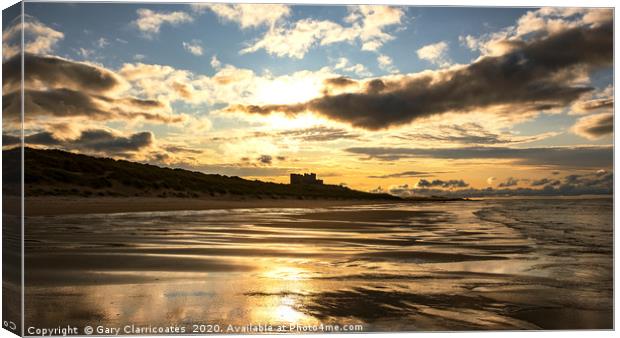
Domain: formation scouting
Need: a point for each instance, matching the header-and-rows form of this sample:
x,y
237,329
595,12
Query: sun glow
x,y
287,91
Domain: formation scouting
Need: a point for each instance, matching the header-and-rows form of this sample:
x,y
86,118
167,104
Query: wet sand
x,y
49,205
388,267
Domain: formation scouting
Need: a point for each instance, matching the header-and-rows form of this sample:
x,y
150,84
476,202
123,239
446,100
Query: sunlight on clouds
x,y
228,84
539,23
368,25
336,119
247,15
436,53
38,37
149,22
234,151
279,121
386,63
595,126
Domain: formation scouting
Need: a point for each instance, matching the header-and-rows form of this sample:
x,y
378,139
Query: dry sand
x,y
44,206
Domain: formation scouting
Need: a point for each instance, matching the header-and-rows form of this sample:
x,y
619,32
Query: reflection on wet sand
x,y
462,265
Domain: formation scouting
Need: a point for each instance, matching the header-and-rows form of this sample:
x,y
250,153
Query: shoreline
x,y
51,206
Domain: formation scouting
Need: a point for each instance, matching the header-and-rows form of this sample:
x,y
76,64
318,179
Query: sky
x,y
407,100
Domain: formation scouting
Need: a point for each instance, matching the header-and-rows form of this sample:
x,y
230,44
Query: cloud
x,y
38,38
239,170
442,184
339,82
295,40
534,78
102,42
247,15
595,102
67,103
95,140
149,22
371,21
572,157
68,89
408,174
510,182
56,72
193,47
595,126
228,84
319,134
470,133
491,180
215,63
542,22
571,185
436,186
265,159
436,53
402,190
545,181
385,62
85,53
181,149
358,69
311,134
367,25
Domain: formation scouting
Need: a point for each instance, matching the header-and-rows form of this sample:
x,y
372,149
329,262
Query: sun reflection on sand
x,y
286,273
283,288
403,267
286,312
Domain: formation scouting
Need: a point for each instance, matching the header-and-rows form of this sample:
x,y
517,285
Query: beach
x,y
468,265
52,205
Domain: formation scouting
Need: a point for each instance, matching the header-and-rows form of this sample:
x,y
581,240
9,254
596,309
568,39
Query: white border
x,y
421,3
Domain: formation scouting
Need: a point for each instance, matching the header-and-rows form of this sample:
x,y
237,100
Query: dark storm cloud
x,y
595,156
94,140
57,72
536,76
442,184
